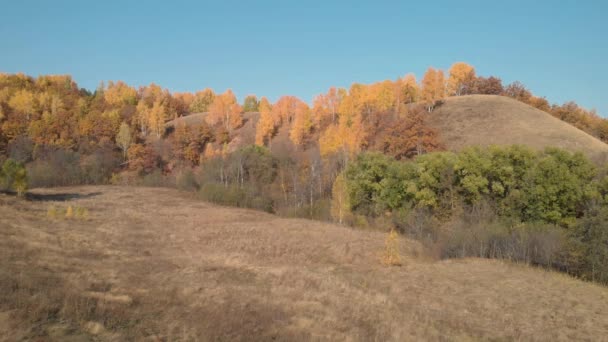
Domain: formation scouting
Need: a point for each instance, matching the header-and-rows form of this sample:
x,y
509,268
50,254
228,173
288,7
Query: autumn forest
x,y
364,156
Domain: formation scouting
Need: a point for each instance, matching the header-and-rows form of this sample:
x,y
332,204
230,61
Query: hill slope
x,y
488,119
155,263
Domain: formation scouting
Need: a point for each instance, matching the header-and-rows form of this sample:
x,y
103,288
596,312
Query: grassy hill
x,y
467,121
488,119
156,264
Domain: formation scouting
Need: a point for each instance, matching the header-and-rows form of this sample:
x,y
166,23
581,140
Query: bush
x,y
186,181
591,243
236,196
13,176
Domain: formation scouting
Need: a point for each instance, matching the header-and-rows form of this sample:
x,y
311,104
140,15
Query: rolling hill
x,y
473,120
497,120
156,264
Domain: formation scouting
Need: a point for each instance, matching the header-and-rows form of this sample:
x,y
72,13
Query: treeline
x,y
544,208
547,208
50,113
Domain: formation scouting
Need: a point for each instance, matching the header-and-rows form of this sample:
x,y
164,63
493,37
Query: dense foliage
x,y
313,160
495,202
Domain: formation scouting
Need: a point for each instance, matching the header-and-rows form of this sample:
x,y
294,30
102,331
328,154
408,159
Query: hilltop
x,y
498,120
156,263
462,121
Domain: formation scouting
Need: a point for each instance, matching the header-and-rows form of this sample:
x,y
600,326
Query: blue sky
x,y
272,48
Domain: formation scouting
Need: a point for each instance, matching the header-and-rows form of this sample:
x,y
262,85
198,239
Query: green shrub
x,y
13,177
233,195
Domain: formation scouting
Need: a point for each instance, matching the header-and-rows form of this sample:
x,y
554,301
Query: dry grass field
x,y
498,120
155,264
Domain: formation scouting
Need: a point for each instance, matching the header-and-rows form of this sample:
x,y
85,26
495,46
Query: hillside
x,y
156,263
466,121
488,119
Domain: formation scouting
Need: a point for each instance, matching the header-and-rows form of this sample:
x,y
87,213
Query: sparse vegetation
x,y
391,255
239,281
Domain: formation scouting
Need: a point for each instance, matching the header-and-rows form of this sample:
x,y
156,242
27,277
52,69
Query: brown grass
x,y
155,264
497,120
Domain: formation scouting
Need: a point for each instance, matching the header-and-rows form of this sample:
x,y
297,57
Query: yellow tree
x,y
23,103
284,109
320,109
462,77
325,106
302,124
202,100
266,126
433,87
157,116
119,93
142,117
340,206
408,90
383,96
226,111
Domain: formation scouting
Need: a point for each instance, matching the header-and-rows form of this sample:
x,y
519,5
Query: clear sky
x,y
558,49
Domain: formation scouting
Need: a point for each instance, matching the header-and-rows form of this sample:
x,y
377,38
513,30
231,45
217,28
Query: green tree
x,y
592,235
251,104
13,176
558,186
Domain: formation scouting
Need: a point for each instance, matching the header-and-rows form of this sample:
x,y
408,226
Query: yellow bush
x,y
82,213
391,256
52,212
69,213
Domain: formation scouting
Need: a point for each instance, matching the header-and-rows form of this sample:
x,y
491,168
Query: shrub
x,y
13,176
186,181
391,255
69,212
236,196
591,235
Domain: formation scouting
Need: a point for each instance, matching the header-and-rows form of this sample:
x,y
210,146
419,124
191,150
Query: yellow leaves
x,y
226,111
22,102
408,89
302,124
119,93
433,87
157,117
461,78
284,109
266,124
348,136
340,206
381,96
202,100
391,255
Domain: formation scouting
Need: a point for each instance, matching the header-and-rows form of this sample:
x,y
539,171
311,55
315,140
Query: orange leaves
x,y
119,93
226,111
22,102
433,87
284,109
461,80
302,124
348,136
410,136
266,126
202,100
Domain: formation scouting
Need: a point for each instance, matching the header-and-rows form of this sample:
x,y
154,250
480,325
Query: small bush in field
x,y
116,179
391,255
52,212
82,213
69,213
